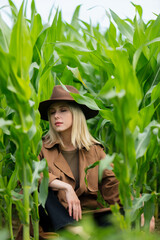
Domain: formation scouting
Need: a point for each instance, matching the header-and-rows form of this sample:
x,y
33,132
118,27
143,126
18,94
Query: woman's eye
x,y
52,113
63,110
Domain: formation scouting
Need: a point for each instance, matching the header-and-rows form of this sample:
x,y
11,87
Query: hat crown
x,y
59,93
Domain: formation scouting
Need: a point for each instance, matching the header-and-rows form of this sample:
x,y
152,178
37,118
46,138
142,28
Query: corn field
x,y
117,71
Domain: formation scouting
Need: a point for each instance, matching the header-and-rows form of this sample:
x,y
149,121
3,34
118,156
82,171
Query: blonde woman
x,y
69,149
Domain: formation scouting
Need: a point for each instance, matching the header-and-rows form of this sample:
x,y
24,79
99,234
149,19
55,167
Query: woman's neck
x,y
66,138
67,148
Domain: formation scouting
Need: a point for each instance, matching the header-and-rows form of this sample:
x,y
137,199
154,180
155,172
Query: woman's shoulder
x,y
97,146
98,149
95,153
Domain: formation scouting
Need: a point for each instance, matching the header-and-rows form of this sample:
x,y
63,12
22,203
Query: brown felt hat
x,y
60,94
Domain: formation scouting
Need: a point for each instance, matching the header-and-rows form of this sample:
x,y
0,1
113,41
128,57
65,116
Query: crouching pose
x,y
69,149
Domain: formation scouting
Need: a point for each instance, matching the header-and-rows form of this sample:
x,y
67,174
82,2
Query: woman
x,y
69,149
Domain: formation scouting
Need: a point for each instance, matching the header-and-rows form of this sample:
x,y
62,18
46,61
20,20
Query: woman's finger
x,y
70,209
80,212
76,211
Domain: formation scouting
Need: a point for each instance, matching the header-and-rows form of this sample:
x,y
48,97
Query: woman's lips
x,y
58,123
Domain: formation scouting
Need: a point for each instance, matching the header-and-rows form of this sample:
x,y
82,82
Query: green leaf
x,y
47,80
142,142
36,28
74,21
67,77
4,35
155,92
2,184
123,27
21,46
154,31
76,74
143,117
89,102
107,87
43,189
21,211
90,167
21,140
138,9
140,49
138,203
4,70
125,77
13,9
4,125
139,37
105,164
16,196
12,181
38,167
107,114
33,9
111,36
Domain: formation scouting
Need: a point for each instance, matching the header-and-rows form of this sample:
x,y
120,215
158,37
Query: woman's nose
x,y
56,115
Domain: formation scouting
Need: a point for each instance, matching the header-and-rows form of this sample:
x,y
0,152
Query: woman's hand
x,y
74,207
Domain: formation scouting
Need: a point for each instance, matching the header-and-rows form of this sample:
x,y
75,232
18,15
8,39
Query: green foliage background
x,y
116,71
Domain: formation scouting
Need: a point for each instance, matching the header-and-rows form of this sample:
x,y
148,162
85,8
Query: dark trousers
x,y
54,216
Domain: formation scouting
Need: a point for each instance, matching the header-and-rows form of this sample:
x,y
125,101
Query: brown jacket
x,y
59,169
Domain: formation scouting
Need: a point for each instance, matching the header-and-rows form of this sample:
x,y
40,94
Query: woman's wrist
x,y
60,185
68,187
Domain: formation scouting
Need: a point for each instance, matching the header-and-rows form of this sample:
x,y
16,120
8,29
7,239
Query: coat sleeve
x,y
51,175
109,184
109,187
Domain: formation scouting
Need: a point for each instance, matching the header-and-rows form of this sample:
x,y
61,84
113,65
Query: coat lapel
x,y
60,161
62,164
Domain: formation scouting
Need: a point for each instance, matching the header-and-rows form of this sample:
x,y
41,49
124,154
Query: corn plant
x,y
117,71
23,129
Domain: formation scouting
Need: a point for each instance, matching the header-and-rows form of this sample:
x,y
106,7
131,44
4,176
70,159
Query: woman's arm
x,y
74,207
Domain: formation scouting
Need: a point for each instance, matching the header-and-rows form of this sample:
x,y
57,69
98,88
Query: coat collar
x,y
51,145
57,143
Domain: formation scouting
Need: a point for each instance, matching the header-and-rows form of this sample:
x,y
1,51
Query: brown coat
x,y
59,169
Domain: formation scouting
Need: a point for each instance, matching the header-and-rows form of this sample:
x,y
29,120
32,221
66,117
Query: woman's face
x,y
61,117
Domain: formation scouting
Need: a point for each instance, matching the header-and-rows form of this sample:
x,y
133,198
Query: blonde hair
x,y
80,136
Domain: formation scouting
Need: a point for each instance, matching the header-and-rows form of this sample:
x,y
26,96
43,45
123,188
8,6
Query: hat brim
x,y
44,106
